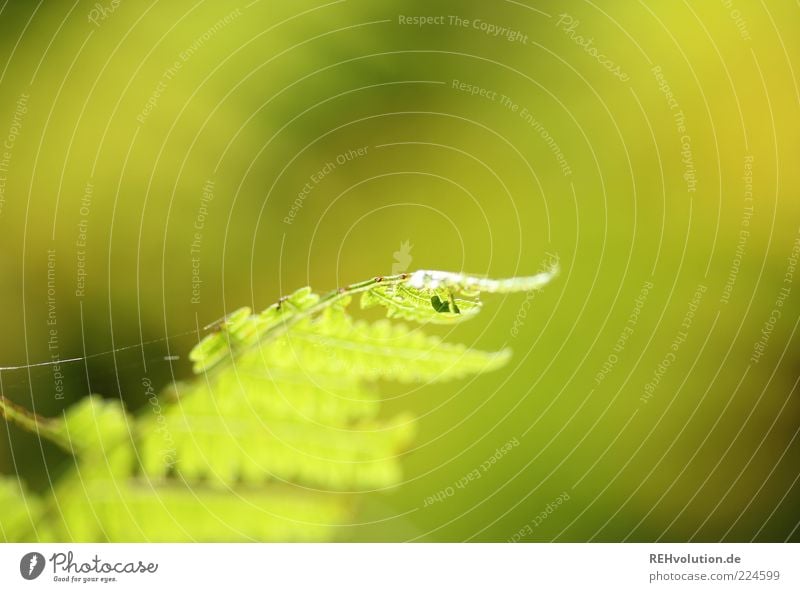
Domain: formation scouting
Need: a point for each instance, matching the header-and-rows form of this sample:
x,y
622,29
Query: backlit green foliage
x,y
278,429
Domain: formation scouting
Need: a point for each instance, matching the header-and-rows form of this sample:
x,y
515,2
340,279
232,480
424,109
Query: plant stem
x,y
423,278
332,297
31,422
326,300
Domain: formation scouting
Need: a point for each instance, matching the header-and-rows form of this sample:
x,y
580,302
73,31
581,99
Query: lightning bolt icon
x,y
34,561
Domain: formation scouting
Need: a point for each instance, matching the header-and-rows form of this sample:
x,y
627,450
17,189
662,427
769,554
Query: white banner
x,y
388,567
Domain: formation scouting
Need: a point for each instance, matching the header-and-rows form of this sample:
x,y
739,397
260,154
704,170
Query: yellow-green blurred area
x,y
172,161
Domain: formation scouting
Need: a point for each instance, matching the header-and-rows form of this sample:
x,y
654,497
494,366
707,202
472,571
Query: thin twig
x,y
29,421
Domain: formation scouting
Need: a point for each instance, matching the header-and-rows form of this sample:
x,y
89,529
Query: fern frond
x,y
94,426
139,511
285,403
241,329
20,510
286,392
107,497
473,284
246,449
420,304
337,344
282,393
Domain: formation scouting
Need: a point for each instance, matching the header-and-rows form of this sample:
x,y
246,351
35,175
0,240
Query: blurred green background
x,y
636,141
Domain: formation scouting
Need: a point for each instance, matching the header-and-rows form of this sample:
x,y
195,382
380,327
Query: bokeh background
x,y
651,146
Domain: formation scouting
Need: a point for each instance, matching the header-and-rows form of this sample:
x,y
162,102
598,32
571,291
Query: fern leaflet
x,y
283,412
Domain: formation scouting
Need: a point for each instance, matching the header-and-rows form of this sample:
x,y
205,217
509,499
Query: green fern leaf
x,y
468,284
294,404
95,425
139,511
420,304
21,510
284,413
240,329
335,344
242,448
